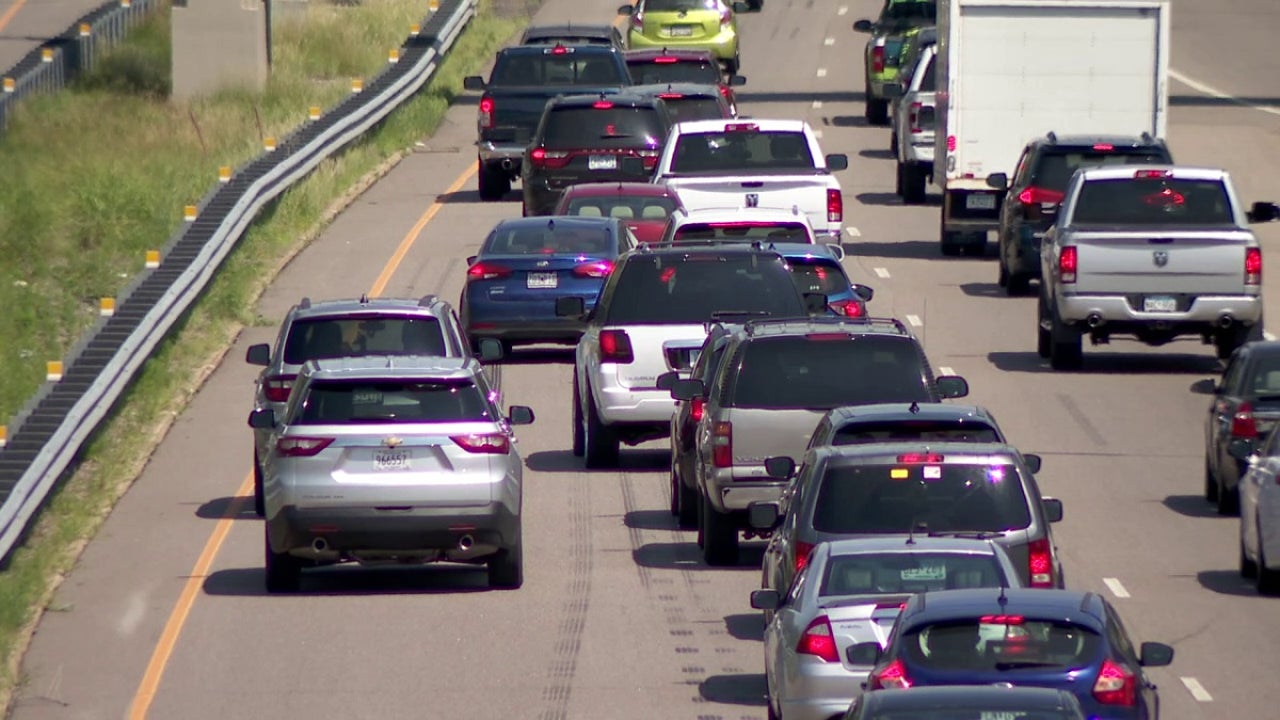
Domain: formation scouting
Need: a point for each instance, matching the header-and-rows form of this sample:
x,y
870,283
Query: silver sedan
x,y
827,631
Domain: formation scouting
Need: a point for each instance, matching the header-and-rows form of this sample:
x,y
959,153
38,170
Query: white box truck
x,y
1012,70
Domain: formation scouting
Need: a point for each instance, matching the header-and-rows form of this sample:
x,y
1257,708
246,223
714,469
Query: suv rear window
x,y
914,572
524,69
678,5
822,371
643,207
545,241
818,275
741,151
744,231
320,338
1055,167
393,402
665,289
654,73
1163,202
1001,643
948,497
862,433
613,127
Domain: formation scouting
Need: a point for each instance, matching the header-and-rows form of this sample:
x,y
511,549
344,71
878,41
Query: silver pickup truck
x,y
1153,252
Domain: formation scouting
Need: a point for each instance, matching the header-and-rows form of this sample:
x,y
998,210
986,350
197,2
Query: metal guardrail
x,y
55,64
63,415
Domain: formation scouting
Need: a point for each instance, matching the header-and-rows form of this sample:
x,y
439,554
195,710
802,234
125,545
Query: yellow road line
x,y
146,691
9,14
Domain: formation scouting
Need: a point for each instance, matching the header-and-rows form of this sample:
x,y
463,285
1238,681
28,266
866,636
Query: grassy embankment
x,y
98,174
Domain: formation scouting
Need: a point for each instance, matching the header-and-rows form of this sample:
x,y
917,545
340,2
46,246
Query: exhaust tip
x,y
465,542
1226,321
1094,320
319,544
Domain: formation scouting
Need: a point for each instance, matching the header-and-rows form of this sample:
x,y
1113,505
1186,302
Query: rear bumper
x,y
919,153
527,330
494,153
618,405
729,495
820,692
413,531
723,45
1201,316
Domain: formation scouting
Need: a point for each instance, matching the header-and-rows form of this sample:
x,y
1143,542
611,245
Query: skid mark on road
x,y
564,664
1081,419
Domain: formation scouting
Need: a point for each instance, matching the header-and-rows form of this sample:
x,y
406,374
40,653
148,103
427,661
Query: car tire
x,y
686,503
1210,483
1018,285
1248,568
719,537
1268,580
769,711
578,431
506,567
1065,350
733,66
599,443
976,247
913,184
1044,339
283,571
1002,277
259,495
951,243
877,111
893,142
491,183
1227,502
897,182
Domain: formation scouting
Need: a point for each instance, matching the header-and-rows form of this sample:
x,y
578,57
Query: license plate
x,y
602,162
1159,303
543,280
980,202
681,30
391,460
925,572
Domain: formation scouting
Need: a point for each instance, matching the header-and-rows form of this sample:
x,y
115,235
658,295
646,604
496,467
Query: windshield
x,y
910,573
744,151
819,275
612,127
657,73
826,370
1055,169
861,433
320,338
525,69
1155,202
393,402
666,289
947,497
646,207
743,231
1002,644
545,240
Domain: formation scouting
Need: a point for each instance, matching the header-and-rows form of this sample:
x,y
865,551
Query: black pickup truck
x,y
524,78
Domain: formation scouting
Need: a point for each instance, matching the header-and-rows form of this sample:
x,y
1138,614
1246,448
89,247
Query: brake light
x,y
666,60
741,127
722,445
1001,620
487,271
877,60
802,554
913,117
670,96
559,50
277,388
835,206
697,407
1104,147
849,308
891,677
487,106
819,641
724,91
541,157
1253,266
1040,196
1068,262
1040,563
1115,685
827,336
637,20
920,458
615,347
301,446
487,444
602,105
596,269
649,158
1243,424
726,16
1152,174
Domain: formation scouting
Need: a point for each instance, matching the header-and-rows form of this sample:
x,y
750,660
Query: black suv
x,y
1032,198
585,138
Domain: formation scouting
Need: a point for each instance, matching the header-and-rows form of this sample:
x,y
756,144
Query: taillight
x,y
819,641
301,446
697,407
890,677
637,20
913,117
835,206
924,457
486,112
488,444
541,157
650,158
726,16
849,308
1243,424
1253,266
724,91
802,554
595,269
877,60
615,347
1040,563
277,387
722,445
1115,685
1067,264
487,271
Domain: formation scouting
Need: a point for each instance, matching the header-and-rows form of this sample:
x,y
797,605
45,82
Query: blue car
x,y
525,264
1063,639
817,269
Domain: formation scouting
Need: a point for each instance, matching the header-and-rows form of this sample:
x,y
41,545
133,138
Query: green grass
x,y
97,175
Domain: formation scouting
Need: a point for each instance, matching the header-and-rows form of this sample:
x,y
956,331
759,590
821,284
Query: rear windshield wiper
x,y
722,314
1020,664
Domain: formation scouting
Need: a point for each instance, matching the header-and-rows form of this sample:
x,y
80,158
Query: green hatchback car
x,y
687,24
881,56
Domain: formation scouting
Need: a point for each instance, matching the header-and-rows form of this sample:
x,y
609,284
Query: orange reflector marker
x,y
357,84
107,307
153,259
126,3
4,435
314,112
224,173
434,5
85,30
46,54
10,84
53,370
394,55
189,213
269,144
414,29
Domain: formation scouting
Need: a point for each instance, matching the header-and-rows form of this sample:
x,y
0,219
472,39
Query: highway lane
x,y
617,617
28,24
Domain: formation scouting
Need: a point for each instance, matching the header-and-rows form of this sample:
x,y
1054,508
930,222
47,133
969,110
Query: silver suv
x,y
345,328
914,124
775,381
391,459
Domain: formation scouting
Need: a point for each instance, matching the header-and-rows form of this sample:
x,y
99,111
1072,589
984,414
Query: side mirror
x,y
893,91
951,386
1033,462
632,165
687,389
627,10
490,350
998,181
837,161
1052,509
473,82
763,515
1240,448
259,354
836,251
666,380
262,419
737,80
570,307
815,303
862,26
1207,386
780,467
1262,212
520,415
741,7
766,599
1154,654
863,653
864,292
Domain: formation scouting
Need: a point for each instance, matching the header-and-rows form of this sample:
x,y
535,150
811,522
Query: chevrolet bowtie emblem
x,y
393,442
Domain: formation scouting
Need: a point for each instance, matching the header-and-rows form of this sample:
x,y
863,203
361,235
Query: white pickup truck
x,y
754,163
1154,252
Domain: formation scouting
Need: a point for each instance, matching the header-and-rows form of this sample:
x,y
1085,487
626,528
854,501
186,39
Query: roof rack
x,y
304,303
882,323
428,300
1052,136
697,244
1146,136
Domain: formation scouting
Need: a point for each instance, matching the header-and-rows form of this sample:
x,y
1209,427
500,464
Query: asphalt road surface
x,y
618,617
28,24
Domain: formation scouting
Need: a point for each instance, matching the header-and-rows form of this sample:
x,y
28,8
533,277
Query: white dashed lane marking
x,y
853,232
817,104
1268,337
829,42
1115,587
1212,91
1196,689
842,11
914,320
945,370
822,72
882,272
817,134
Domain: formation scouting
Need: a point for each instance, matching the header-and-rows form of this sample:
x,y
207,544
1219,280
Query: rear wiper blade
x,y
1019,664
606,136
975,534
721,314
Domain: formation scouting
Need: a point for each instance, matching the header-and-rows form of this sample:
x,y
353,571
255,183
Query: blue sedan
x,y
525,264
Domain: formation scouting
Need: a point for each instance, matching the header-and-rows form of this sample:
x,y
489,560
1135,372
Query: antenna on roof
x,y
1003,600
364,298
915,407
551,224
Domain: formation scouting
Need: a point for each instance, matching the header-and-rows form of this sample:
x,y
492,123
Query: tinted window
x,y
1264,377
393,402
654,73
612,127
894,573
688,289
1161,202
1002,644
929,82
910,10
818,275
677,5
520,69
743,232
1055,169
693,107
829,370
636,207
860,433
895,498
320,338
995,712
564,39
548,241
741,151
